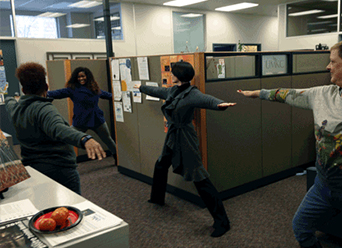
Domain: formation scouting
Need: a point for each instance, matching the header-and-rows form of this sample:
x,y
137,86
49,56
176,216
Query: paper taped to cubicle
x,y
95,219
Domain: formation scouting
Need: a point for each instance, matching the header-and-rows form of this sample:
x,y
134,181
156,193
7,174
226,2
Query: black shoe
x,y
160,203
221,223
219,231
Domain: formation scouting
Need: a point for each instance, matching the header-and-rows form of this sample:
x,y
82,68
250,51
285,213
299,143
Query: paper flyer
x,y
3,81
117,90
17,209
125,73
136,92
115,69
221,69
143,68
118,112
126,100
151,98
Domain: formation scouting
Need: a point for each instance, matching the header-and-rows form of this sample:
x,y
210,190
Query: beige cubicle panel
x,y
57,77
234,135
276,129
310,62
234,66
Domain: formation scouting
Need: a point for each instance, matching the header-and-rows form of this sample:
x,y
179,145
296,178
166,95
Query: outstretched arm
x,y
251,94
59,94
53,125
105,95
225,105
152,91
295,97
205,101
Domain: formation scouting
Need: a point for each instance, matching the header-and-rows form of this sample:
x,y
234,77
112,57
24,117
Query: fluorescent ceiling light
x,y
238,6
116,28
191,15
308,12
112,18
181,3
327,16
78,25
85,4
319,23
318,30
52,14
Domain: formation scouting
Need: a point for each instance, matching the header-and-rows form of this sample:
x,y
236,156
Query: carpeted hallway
x,y
260,219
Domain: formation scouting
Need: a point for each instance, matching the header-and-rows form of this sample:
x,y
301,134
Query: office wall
x,y
300,42
147,30
230,28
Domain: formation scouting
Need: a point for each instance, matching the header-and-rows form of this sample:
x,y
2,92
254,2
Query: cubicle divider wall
x,y
259,142
244,147
59,71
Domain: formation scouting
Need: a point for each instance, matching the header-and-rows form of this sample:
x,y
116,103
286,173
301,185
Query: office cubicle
x,y
246,146
59,71
257,142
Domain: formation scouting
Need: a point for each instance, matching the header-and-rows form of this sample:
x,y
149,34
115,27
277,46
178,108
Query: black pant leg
x,y
213,202
161,170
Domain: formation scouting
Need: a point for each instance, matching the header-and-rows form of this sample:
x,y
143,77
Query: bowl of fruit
x,y
56,219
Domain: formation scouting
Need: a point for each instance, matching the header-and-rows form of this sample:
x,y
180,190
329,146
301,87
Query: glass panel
x,y
274,64
312,17
65,19
317,62
231,67
6,19
188,32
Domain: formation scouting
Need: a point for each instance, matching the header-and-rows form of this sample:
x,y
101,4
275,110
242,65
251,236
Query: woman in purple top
x,y
85,92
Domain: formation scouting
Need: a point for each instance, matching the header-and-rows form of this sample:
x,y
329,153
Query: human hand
x,y
251,94
137,86
226,104
94,149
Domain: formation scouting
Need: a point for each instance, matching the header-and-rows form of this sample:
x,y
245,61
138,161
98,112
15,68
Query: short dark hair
x,y
338,47
31,76
183,71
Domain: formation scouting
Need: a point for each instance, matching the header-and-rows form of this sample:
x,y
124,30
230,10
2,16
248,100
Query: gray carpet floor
x,y
259,219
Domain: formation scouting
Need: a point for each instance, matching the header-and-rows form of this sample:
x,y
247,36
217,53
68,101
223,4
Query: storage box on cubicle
x,y
59,72
257,141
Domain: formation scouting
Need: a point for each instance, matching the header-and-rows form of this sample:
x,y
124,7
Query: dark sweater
x,y
44,135
87,113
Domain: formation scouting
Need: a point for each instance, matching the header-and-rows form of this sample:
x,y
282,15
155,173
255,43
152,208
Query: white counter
x,y
44,193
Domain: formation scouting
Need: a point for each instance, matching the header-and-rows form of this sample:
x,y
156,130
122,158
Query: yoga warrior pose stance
x,y
181,147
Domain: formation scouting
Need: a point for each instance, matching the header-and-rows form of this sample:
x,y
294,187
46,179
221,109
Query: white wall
x,y
148,30
230,28
35,49
301,42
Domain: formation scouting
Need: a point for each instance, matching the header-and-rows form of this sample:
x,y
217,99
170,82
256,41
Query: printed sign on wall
x,y
274,64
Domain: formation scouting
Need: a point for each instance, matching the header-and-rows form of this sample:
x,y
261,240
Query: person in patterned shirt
x,y
324,199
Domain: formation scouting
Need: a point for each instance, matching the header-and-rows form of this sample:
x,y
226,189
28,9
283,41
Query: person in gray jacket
x,y
181,147
324,199
45,137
